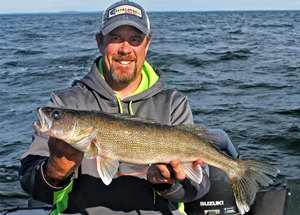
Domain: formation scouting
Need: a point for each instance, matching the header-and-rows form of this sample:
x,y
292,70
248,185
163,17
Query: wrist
x,y
53,175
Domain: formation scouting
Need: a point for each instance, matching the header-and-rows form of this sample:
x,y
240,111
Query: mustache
x,y
120,57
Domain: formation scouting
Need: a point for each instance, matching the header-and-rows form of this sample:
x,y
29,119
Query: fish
x,y
114,138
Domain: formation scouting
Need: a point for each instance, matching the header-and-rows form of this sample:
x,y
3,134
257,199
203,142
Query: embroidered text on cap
x,y
125,9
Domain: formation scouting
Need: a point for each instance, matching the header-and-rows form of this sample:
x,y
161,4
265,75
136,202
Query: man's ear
x,y
99,44
147,45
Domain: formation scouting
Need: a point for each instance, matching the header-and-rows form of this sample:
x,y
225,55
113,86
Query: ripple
x,y
28,52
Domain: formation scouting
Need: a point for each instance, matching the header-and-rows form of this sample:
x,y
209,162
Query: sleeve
x,y
186,190
181,111
31,170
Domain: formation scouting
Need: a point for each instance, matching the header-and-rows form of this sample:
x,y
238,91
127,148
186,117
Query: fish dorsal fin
x,y
194,174
107,168
201,132
133,117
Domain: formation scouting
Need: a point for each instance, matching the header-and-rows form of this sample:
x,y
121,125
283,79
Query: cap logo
x,y
125,9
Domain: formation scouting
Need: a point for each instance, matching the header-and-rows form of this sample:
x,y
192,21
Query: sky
x,y
36,6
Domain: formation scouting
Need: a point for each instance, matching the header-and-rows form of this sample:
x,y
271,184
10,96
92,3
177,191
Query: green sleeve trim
x,y
54,212
60,195
180,204
61,198
181,207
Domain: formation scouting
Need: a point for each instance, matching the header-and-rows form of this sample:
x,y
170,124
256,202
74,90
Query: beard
x,y
123,77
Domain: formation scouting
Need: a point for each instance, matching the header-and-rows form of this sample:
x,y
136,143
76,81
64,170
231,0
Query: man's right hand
x,y
63,161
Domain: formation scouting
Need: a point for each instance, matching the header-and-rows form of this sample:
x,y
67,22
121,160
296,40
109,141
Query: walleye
x,y
117,137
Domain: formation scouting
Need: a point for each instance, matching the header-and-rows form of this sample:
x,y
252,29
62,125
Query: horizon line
x,y
177,11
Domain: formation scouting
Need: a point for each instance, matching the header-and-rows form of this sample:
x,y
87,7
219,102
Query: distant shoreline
x,y
84,12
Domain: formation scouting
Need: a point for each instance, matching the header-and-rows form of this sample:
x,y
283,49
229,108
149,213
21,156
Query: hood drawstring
x,y
130,108
119,102
120,105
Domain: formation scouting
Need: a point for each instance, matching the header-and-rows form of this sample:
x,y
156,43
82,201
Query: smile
x,y
124,62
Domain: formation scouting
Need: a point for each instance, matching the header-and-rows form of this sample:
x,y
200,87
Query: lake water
x,y
240,71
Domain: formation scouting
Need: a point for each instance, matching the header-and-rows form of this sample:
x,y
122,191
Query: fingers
x,y
164,170
197,162
163,173
61,149
158,173
178,171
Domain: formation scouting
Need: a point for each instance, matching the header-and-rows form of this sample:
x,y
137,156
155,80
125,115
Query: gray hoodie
x,y
129,192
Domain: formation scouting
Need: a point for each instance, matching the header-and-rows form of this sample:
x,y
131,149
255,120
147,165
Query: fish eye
x,y
56,114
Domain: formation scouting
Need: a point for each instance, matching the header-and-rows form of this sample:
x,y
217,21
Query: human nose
x,y
125,48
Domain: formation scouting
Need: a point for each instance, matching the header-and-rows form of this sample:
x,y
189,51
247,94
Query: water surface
x,y
240,71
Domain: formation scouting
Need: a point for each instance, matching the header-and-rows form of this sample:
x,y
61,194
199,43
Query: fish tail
x,y
244,181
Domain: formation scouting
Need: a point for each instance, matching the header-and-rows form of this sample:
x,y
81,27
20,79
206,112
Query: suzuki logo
x,y
212,203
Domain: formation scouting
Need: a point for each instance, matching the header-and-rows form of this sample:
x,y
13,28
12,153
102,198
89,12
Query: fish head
x,y
61,123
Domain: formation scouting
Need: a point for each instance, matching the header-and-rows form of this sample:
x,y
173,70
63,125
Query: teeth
x,y
42,120
46,123
124,62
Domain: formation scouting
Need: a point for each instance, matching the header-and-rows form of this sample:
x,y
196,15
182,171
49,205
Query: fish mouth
x,y
44,124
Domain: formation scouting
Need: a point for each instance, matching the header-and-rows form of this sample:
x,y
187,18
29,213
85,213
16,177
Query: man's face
x,y
123,50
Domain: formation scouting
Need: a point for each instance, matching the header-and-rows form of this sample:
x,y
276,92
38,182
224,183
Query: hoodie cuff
x,y
160,187
63,184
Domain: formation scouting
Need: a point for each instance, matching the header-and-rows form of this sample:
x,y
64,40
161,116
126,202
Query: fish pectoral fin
x,y
194,174
107,168
84,144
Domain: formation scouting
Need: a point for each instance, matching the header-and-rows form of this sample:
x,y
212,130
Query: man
x,y
120,81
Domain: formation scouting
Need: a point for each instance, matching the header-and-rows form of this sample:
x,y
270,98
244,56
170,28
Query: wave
x,y
272,26
294,112
263,85
28,52
242,54
236,32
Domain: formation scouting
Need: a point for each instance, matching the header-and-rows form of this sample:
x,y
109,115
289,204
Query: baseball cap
x,y
125,13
